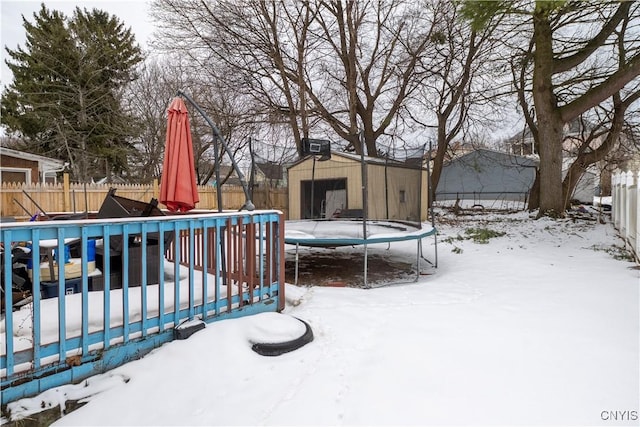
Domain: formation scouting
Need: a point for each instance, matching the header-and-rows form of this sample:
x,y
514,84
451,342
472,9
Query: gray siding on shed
x,y
486,174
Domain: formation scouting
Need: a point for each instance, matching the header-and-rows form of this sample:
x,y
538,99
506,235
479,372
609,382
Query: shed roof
x,y
499,156
367,159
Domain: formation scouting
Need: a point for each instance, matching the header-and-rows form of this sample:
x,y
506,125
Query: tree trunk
x,y
548,116
438,161
534,193
574,173
551,201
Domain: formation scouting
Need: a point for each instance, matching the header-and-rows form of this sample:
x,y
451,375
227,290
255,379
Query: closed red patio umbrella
x,y
178,189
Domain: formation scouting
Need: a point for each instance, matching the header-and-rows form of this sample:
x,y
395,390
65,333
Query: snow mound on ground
x,y
273,328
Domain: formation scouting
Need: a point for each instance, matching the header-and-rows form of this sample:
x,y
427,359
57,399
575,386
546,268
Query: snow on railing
x,y
626,208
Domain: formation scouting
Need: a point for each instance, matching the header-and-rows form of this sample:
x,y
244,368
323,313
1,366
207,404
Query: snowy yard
x,y
537,326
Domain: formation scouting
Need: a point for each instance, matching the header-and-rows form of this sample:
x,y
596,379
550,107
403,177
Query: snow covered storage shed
x,y
324,189
487,174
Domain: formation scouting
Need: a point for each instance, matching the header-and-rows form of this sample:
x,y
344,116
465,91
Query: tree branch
x,y
602,91
561,65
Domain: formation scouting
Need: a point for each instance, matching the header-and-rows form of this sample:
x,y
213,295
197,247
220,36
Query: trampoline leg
x,y
296,269
435,247
365,265
418,259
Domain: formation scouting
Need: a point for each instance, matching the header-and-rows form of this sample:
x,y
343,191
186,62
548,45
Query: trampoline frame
x,y
331,242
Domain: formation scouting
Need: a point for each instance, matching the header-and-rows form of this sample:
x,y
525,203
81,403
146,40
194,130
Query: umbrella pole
x,y
216,168
248,205
253,165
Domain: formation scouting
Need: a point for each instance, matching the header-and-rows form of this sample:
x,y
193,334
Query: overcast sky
x,y
134,14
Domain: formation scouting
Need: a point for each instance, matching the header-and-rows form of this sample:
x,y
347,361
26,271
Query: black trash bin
x,y
120,207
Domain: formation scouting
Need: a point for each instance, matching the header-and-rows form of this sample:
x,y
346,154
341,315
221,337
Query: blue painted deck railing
x,y
154,274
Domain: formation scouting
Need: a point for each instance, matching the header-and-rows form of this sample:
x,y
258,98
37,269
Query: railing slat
x,y
8,303
125,280
191,258
143,280
85,293
218,265
162,249
37,321
204,247
229,262
176,275
62,312
107,287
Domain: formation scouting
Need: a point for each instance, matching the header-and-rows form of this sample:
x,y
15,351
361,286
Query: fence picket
x,y
625,205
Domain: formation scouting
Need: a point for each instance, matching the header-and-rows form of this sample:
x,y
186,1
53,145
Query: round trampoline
x,y
333,233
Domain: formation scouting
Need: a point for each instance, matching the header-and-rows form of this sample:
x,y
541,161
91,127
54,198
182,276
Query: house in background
x,y
575,132
487,174
333,187
459,148
228,176
270,174
597,179
587,187
20,167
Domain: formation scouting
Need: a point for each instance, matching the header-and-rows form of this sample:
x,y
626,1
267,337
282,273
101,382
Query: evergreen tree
x,y
68,80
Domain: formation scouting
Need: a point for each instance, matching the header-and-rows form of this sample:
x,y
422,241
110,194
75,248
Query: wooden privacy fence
x,y
626,208
16,198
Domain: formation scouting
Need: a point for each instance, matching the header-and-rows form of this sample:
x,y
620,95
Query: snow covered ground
x,y
538,326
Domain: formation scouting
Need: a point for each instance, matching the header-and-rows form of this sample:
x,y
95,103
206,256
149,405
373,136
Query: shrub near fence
x,y
65,197
626,208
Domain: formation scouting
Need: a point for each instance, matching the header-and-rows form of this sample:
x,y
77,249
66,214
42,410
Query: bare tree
x,y
148,99
351,65
582,61
464,79
596,145
233,116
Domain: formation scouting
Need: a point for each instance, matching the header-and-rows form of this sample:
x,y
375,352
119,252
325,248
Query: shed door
x,y
336,200
315,206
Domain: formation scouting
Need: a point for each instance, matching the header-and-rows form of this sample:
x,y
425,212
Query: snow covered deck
x,y
212,268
